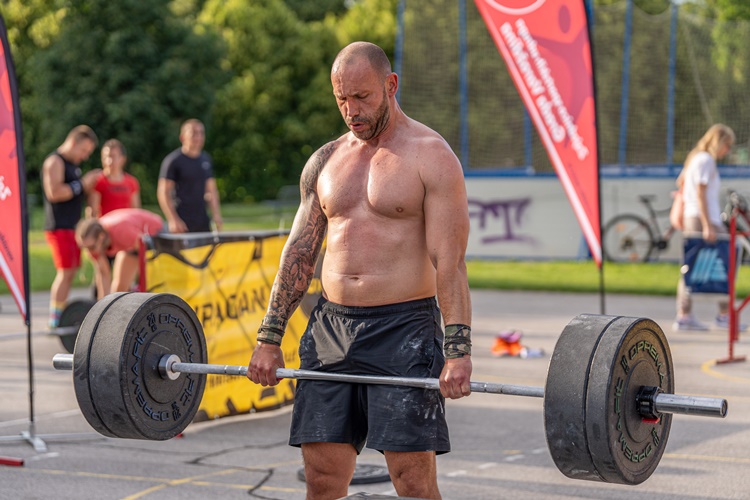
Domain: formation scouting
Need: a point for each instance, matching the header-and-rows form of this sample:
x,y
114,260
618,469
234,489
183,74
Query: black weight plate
x,y
593,429
131,399
72,316
633,353
81,356
565,395
363,474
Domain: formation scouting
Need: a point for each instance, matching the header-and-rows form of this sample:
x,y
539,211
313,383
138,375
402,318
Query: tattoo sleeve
x,y
300,252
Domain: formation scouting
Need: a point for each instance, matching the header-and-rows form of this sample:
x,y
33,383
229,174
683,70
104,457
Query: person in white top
x,y
700,183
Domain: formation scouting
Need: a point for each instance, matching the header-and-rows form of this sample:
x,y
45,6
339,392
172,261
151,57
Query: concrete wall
x,y
531,218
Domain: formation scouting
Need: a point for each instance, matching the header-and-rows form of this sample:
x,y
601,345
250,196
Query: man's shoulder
x,y
54,158
420,130
432,156
428,142
170,163
172,156
324,152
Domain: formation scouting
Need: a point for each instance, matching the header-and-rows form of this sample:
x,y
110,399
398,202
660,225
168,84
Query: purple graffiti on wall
x,y
508,212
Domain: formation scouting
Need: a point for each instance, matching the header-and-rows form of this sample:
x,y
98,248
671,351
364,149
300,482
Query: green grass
x,y
556,276
574,276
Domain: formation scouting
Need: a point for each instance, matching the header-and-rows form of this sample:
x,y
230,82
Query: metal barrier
x,y
734,310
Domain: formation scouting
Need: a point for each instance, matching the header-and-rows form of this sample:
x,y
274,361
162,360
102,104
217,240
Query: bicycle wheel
x,y
628,238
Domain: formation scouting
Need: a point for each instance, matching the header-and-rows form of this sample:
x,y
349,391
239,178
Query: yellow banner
x,y
227,280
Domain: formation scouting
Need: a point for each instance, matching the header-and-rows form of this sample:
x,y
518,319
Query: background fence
x,y
662,80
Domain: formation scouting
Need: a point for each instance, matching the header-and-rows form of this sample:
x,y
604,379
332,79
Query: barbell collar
x,y
645,402
170,367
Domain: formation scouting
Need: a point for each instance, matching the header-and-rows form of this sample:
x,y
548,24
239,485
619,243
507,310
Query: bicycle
x,y
633,238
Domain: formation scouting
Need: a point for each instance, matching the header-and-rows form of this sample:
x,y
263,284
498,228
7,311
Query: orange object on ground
x,y
503,347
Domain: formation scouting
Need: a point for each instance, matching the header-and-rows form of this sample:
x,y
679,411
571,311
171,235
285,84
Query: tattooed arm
x,y
295,273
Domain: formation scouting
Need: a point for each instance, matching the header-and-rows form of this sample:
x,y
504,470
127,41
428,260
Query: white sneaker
x,y
688,323
722,321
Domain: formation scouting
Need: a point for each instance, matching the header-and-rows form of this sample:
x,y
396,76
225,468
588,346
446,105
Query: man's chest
x,y
188,170
383,185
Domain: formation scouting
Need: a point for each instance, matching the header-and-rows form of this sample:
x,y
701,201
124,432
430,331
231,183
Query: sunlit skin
x,y
96,248
53,170
193,138
354,109
113,163
389,199
379,250
123,271
82,151
94,245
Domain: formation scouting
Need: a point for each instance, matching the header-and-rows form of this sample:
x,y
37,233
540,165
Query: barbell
x,y
139,372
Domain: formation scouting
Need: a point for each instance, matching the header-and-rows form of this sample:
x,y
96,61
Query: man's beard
x,y
378,123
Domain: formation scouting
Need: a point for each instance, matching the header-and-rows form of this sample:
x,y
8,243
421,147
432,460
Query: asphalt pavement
x,y
499,445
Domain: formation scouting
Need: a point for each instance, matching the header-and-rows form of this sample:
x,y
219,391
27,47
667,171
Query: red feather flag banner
x,y
13,215
547,49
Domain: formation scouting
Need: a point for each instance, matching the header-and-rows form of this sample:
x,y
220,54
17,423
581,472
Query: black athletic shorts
x,y
403,340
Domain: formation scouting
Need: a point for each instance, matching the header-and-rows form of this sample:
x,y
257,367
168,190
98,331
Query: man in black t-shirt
x,y
186,184
64,190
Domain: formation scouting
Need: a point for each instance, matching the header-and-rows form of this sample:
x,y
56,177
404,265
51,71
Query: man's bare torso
x,y
376,251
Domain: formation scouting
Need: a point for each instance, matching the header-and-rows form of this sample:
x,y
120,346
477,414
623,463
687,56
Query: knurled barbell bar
x,y
608,397
650,400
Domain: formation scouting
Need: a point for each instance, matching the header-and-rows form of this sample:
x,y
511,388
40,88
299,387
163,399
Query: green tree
x,y
129,69
648,6
270,116
32,26
315,11
356,24
278,107
727,10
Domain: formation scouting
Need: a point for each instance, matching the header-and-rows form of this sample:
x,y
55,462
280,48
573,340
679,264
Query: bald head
x,y
355,52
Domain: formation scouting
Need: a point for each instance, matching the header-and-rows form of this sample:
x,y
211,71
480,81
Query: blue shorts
x,y
401,340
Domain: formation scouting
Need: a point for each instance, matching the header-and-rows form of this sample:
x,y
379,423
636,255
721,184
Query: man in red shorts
x,y
64,191
117,235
